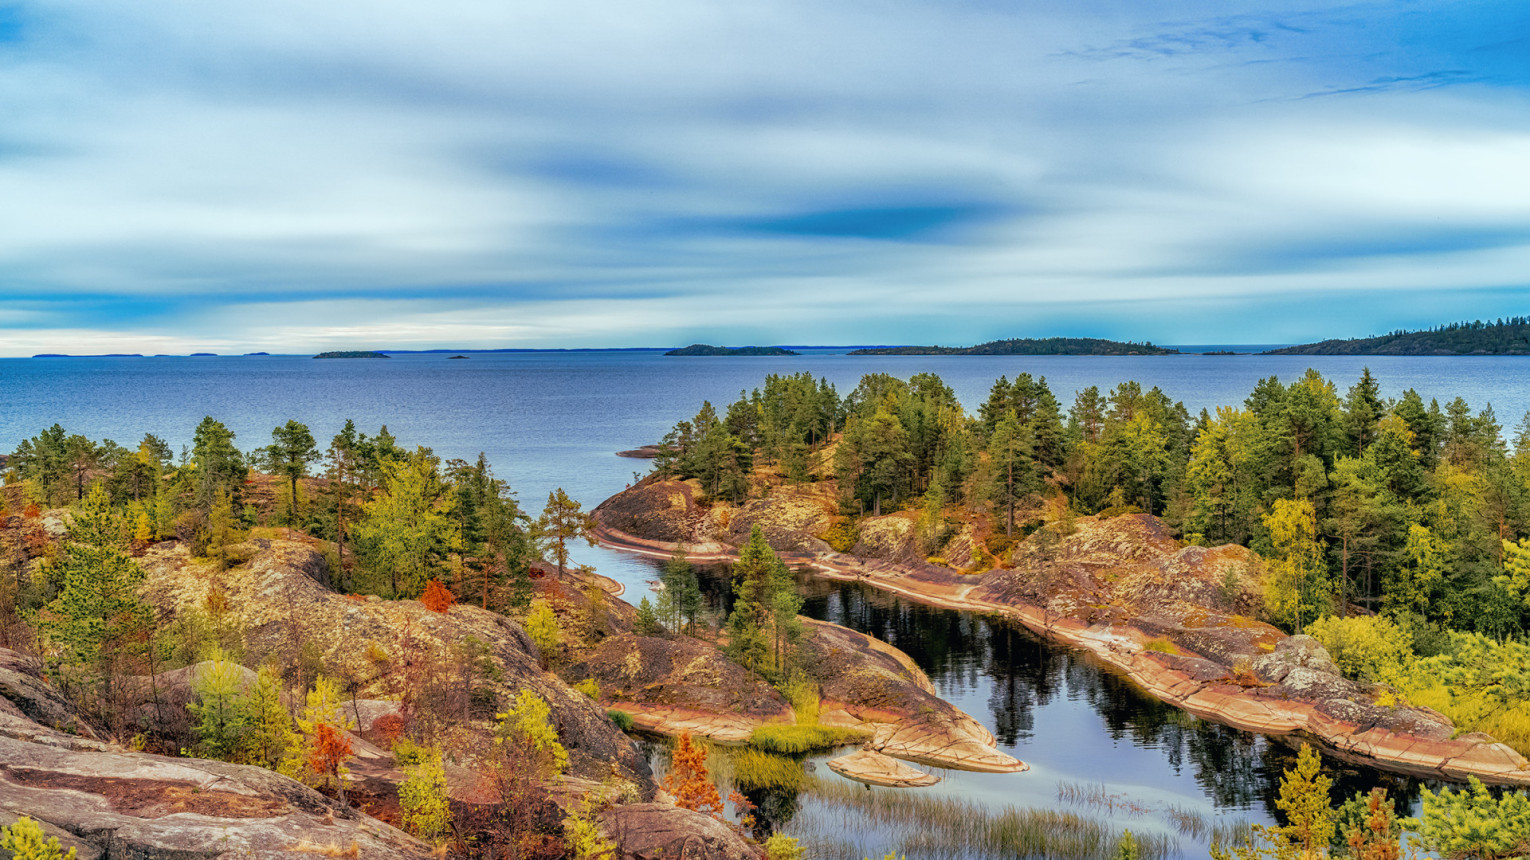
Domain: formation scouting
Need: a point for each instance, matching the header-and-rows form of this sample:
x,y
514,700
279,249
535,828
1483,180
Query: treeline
x,y
397,517
1505,336
1402,505
1029,346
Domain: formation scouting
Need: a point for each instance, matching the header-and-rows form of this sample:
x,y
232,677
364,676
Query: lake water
x,y
548,420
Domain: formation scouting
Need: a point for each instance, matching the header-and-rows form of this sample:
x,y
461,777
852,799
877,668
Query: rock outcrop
x,y
655,831
873,768
678,684
1176,620
279,599
108,802
866,683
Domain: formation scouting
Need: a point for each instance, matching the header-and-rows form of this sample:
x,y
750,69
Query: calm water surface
x,y
548,420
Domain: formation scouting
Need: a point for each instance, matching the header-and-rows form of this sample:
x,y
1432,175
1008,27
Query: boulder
x,y
873,768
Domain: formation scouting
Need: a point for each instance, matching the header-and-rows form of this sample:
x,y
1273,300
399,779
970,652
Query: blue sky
x,y
184,176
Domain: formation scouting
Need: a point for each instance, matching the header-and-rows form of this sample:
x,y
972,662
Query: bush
x,y
1161,645
754,771
622,719
590,687
779,847
1367,648
842,536
796,740
25,840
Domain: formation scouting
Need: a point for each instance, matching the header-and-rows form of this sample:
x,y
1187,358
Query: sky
x,y
287,176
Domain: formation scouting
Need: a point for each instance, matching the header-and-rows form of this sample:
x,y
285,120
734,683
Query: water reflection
x,y
1068,715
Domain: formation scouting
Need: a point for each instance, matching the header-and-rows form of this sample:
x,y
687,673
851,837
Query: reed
x,y
800,739
755,771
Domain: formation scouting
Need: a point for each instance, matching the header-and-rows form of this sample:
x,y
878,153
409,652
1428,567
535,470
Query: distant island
x,y
1029,346
204,355
1505,337
709,350
352,353
451,357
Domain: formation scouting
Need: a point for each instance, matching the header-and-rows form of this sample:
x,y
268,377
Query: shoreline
x,y
1455,759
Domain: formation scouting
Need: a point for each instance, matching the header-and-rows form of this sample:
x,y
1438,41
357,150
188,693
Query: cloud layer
x,y
181,176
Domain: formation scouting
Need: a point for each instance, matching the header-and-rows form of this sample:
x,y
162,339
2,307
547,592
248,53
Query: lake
x,y
548,420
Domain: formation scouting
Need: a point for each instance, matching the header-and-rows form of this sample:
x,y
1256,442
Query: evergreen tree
x,y
1009,449
562,521
289,455
97,628
406,531
221,708
218,464
680,595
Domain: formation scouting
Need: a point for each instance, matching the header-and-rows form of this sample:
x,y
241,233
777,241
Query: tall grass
x,y
801,739
754,770
936,828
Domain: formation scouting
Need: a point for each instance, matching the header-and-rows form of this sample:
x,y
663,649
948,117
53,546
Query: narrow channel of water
x,y
1081,726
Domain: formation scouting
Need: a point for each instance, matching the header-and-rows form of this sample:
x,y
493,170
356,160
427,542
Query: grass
x,y
802,739
1161,645
754,771
622,719
936,828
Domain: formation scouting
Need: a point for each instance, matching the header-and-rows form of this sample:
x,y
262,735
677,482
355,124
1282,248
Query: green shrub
x,y
25,840
779,847
842,536
1365,647
622,719
754,770
799,739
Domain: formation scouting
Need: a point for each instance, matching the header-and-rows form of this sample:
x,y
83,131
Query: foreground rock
x,y
655,831
1176,620
873,768
107,802
280,601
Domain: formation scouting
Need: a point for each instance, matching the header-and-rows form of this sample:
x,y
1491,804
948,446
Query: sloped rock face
x,y
24,693
654,831
679,684
280,602
655,509
865,683
873,768
110,802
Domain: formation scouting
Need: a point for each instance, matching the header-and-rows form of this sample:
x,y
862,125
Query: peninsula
x,y
709,350
1029,346
1013,512
1509,336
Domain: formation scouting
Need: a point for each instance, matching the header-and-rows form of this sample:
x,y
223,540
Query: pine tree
x,y
1304,798
97,627
291,451
647,623
25,840
407,530
221,708
1473,823
271,739
562,521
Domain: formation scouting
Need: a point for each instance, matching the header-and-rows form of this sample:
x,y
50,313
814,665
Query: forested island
x,y
353,353
1029,346
1509,336
709,350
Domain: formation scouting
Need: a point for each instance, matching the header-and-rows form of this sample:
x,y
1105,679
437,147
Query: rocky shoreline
x,y
1215,664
